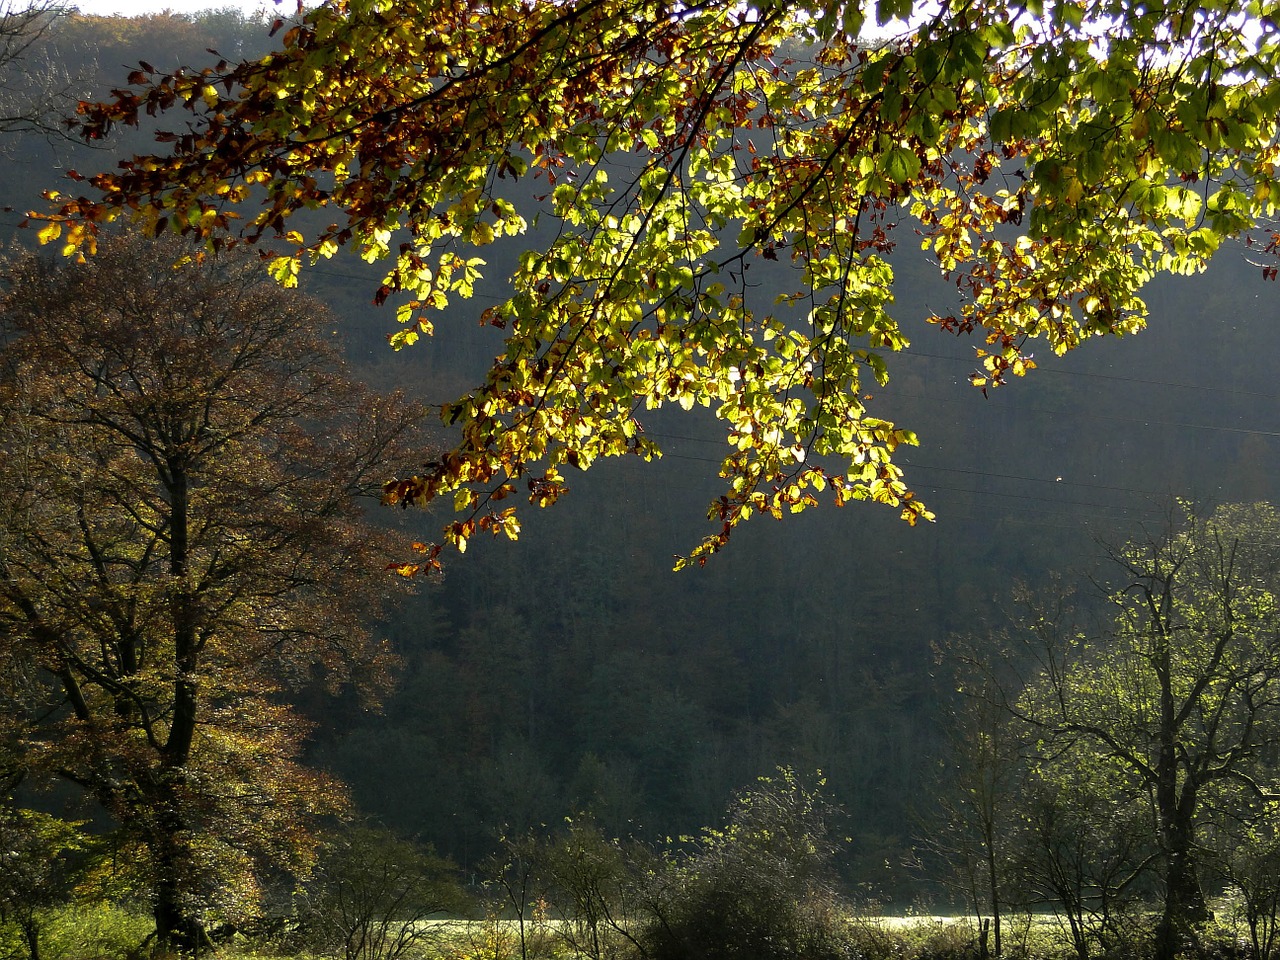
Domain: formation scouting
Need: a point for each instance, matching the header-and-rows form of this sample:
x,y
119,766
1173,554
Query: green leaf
x,y
900,164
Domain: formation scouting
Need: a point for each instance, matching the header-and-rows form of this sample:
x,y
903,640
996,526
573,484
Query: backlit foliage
x,y
1052,155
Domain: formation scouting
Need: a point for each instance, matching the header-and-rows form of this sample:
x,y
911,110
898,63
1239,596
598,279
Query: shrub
x,y
950,941
101,931
371,894
584,885
760,888
35,874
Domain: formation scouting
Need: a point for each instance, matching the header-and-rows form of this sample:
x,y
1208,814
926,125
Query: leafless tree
x,y
36,90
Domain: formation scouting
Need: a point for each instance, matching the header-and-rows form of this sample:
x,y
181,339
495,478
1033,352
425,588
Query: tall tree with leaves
x,y
1054,154
1177,700
181,546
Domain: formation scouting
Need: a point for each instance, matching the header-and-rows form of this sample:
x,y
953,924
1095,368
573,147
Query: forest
x,y
230,721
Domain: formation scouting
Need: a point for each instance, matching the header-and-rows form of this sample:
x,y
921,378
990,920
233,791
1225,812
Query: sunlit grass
x,y
109,932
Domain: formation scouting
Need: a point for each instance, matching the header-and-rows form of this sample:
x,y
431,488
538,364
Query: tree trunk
x,y
993,882
1184,903
177,748
176,929
31,931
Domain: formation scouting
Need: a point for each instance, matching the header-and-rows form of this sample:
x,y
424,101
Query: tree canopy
x,y
1052,156
182,551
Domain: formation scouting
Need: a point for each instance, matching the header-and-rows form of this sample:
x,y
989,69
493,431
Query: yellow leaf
x,y
1140,126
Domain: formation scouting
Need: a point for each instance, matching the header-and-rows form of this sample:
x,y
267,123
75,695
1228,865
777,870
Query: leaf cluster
x,y
1054,157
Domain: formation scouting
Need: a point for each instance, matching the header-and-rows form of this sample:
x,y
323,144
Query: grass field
x,y
105,932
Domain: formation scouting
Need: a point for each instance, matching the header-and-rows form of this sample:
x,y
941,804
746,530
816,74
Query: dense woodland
x,y
574,674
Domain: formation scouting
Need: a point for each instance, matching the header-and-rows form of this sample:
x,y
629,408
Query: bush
x,y
581,886
371,894
758,889
35,875
950,941
102,931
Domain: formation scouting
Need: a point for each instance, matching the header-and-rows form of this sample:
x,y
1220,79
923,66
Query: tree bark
x,y
176,930
1184,902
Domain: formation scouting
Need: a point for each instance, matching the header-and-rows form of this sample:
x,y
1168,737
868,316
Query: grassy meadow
x,y
111,932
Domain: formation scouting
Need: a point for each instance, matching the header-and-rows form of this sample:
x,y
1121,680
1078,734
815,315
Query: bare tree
x,y
978,805
372,894
36,92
